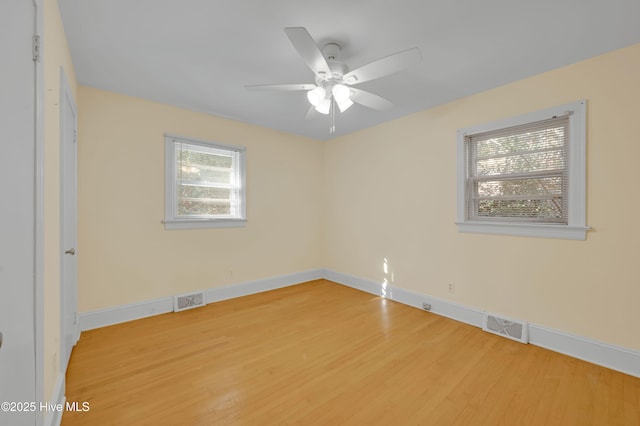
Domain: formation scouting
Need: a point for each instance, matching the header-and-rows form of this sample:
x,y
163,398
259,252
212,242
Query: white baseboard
x,y
147,308
53,417
232,291
614,357
124,313
441,307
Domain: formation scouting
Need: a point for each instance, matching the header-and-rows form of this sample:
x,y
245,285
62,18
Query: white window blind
x,y
519,174
207,181
204,184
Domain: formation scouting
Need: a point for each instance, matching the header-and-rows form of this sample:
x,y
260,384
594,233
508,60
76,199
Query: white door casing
x,y
17,213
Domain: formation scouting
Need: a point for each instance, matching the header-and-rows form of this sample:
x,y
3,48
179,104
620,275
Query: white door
x,y
70,331
17,213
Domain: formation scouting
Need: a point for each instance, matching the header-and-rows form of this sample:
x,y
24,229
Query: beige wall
x,y
56,55
381,193
126,255
390,194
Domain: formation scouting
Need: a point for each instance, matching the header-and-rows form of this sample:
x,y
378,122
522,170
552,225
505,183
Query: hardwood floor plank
x,y
320,353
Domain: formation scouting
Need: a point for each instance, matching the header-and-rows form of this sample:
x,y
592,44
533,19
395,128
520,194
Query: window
x,y
204,184
525,175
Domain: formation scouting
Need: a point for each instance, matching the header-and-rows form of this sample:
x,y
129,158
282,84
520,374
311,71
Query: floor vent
x,y
506,327
188,301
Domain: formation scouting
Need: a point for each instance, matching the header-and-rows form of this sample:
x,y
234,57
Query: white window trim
x,y
170,220
576,228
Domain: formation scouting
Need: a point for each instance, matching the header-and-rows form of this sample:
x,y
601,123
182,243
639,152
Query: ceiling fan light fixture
x,y
341,93
316,96
343,106
324,107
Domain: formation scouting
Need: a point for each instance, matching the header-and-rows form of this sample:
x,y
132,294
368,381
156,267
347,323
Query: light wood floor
x,y
323,354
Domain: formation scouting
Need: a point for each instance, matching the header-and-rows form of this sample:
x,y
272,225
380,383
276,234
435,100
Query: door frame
x,y
26,269
39,298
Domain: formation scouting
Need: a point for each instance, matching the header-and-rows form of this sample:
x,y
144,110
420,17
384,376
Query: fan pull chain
x,y
332,116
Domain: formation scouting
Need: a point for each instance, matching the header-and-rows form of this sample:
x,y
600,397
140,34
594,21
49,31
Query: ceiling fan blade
x,y
384,66
370,100
309,50
280,87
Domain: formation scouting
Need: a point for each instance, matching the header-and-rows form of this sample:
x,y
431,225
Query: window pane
x,y
520,187
552,137
548,210
192,207
203,192
196,155
195,166
215,175
522,163
201,200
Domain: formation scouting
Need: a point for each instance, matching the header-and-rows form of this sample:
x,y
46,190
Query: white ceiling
x,y
199,54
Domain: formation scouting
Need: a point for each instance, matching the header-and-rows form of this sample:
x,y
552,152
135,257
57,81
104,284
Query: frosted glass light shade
x,y
344,105
316,96
341,93
324,106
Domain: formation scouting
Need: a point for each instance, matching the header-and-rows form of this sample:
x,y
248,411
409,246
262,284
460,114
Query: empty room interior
x,y
450,242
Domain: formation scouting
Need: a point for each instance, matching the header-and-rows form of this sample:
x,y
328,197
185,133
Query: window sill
x,y
204,223
526,230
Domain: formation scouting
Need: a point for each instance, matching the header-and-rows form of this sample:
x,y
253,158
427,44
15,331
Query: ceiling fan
x,y
334,82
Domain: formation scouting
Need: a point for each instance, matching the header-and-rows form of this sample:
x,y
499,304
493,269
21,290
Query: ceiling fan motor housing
x,y
338,69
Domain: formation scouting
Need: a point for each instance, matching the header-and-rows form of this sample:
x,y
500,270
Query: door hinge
x,y
36,48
